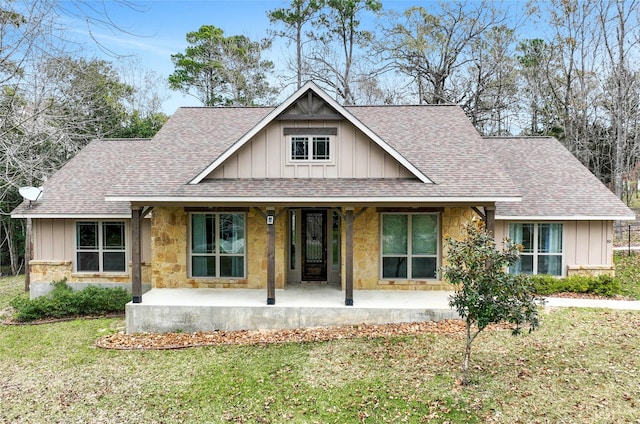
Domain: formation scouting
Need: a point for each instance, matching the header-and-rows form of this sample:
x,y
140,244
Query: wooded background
x,y
561,68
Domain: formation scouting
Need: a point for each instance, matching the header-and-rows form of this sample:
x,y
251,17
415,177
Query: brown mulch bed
x,y
159,341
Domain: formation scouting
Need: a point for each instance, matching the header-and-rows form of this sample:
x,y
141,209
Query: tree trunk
x,y
467,356
299,52
13,256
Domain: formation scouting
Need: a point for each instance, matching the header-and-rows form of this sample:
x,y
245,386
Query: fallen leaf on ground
x,y
150,341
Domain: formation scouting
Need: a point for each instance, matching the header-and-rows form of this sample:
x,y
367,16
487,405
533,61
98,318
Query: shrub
x,y
63,301
603,285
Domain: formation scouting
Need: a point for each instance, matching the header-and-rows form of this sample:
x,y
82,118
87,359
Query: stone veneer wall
x,y
168,247
591,270
169,243
169,252
50,271
366,247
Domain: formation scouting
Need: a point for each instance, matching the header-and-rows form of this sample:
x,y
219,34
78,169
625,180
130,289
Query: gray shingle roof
x,y
425,135
78,188
552,181
444,145
439,141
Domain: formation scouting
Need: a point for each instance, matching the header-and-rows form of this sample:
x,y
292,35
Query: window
x,y
542,248
217,245
410,247
305,148
100,246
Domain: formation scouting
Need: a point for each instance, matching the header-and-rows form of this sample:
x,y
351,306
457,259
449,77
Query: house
x,y
312,191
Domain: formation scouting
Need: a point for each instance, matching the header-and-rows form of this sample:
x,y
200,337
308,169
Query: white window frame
x,y
535,254
101,250
217,253
310,139
410,255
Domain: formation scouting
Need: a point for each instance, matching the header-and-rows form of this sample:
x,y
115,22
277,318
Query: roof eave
x,y
566,217
23,215
312,200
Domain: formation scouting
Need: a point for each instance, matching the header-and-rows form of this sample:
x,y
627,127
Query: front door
x,y
314,245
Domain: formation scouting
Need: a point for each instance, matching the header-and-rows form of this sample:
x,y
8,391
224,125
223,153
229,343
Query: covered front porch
x,y
303,267
298,306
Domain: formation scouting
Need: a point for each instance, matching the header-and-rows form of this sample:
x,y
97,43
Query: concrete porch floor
x,y
297,306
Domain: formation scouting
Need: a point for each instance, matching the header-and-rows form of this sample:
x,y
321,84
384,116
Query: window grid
x,y
100,246
223,254
299,148
320,148
539,255
409,256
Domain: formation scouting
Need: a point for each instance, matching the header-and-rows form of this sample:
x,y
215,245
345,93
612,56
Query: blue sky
x,y
154,30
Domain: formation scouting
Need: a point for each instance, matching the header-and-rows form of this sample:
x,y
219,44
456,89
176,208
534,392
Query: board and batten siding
x,y
597,235
587,245
354,155
54,239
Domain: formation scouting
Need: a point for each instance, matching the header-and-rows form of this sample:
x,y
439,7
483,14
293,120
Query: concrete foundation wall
x,y
158,318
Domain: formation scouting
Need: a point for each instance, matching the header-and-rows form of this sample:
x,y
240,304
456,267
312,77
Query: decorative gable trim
x,y
310,107
342,112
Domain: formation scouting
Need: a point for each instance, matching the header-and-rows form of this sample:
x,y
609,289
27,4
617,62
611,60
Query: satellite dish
x,y
30,193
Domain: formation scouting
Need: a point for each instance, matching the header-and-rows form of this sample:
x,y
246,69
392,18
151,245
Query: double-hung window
x,y
541,248
410,245
306,148
218,245
100,246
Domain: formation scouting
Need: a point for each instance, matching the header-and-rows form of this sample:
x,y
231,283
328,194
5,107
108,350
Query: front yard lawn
x,y
628,274
580,366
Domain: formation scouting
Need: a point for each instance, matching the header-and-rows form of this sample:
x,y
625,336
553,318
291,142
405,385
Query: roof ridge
x,y
506,137
125,139
407,105
227,107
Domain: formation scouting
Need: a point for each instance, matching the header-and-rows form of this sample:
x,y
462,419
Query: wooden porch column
x,y
490,221
271,257
136,256
348,292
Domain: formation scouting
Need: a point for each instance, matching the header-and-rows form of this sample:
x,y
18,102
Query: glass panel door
x,y
314,246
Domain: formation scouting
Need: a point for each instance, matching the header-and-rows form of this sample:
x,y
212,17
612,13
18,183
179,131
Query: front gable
x,y
310,136
310,149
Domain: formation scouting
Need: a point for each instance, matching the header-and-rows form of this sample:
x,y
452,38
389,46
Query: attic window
x,y
305,148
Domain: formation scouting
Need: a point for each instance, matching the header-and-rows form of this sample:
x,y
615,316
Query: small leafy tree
x,y
485,293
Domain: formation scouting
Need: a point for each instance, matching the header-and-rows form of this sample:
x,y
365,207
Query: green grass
x,y
580,366
628,274
10,288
